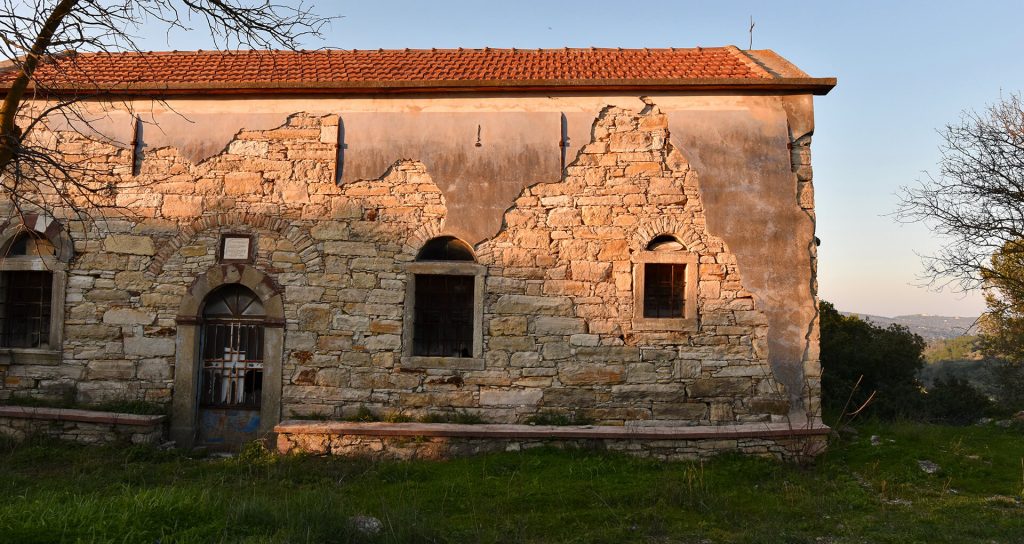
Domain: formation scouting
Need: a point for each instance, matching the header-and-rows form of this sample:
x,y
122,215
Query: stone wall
x,y
442,441
558,304
83,426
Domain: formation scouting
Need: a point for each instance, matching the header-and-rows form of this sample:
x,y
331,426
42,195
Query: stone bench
x,y
82,426
444,440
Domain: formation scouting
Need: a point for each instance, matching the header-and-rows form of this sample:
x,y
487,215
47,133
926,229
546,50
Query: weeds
x,y
64,493
558,419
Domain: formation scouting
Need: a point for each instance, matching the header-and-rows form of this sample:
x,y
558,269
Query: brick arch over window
x,y
693,240
44,226
186,374
32,289
305,246
421,236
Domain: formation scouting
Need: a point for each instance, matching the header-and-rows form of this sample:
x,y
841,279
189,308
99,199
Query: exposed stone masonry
x,y
558,300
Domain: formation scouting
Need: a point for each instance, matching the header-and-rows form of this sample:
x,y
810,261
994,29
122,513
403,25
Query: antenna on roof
x,y
751,31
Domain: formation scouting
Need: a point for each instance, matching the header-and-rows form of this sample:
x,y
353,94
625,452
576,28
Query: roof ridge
x,y
331,50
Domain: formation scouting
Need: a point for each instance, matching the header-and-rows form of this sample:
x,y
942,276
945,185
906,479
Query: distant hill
x,y
930,327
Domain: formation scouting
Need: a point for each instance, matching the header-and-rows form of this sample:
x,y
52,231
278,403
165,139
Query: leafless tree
x,y
976,201
40,39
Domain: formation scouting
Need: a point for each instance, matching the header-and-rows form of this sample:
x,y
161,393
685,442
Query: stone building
x,y
625,236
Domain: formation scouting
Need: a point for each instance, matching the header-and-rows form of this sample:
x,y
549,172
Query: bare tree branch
x,y
46,87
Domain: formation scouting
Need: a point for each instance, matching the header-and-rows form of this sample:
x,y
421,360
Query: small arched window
x,y
30,244
445,291
31,290
665,285
445,248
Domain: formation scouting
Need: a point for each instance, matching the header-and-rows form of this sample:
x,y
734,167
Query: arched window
x,y
446,248
445,290
232,347
665,286
32,279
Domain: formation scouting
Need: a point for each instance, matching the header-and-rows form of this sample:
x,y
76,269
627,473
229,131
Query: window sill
x,y
447,363
665,324
29,356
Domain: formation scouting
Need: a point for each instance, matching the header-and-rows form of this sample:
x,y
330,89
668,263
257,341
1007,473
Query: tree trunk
x,y
10,136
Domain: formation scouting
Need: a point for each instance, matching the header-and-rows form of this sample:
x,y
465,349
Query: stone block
x,y
92,332
251,148
688,411
153,370
511,343
589,340
243,183
128,316
330,230
149,347
513,397
508,326
720,387
332,377
634,393
721,412
315,317
298,293
182,206
129,245
590,271
590,374
546,325
688,369
110,370
354,323
379,342
766,405
525,359
553,351
533,305
457,399
608,354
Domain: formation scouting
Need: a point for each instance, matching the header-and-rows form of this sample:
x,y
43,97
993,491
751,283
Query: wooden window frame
x,y
689,320
444,268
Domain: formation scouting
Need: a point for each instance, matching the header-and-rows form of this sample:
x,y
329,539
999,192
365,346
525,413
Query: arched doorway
x,y
231,366
230,323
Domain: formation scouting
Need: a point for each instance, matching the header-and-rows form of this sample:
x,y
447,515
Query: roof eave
x,y
817,86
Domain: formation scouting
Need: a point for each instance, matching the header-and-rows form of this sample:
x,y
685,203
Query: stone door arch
x,y
187,375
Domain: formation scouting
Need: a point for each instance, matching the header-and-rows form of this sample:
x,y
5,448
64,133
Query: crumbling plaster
x,y
738,144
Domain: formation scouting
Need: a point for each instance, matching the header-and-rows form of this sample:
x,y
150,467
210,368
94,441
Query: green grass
x,y
855,493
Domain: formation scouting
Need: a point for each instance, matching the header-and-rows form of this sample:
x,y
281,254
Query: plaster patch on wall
x,y
516,149
196,136
749,192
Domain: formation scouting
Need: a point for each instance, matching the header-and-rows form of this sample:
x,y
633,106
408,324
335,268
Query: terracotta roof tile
x,y
384,68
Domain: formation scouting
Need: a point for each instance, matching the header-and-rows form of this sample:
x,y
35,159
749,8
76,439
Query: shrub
x,y
885,362
953,400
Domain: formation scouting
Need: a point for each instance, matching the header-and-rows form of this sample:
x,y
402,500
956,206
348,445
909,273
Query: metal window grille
x,y
232,365
443,322
664,288
25,309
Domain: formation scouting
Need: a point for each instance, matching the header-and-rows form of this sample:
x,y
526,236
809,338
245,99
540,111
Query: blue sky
x,y
905,69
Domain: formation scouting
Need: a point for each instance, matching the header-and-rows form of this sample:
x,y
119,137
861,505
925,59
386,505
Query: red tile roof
x,y
422,69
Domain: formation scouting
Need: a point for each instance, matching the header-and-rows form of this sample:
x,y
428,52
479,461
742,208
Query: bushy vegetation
x,y
960,348
856,492
864,363
877,368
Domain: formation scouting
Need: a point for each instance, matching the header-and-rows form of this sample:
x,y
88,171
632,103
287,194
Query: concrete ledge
x,y
84,416
452,430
